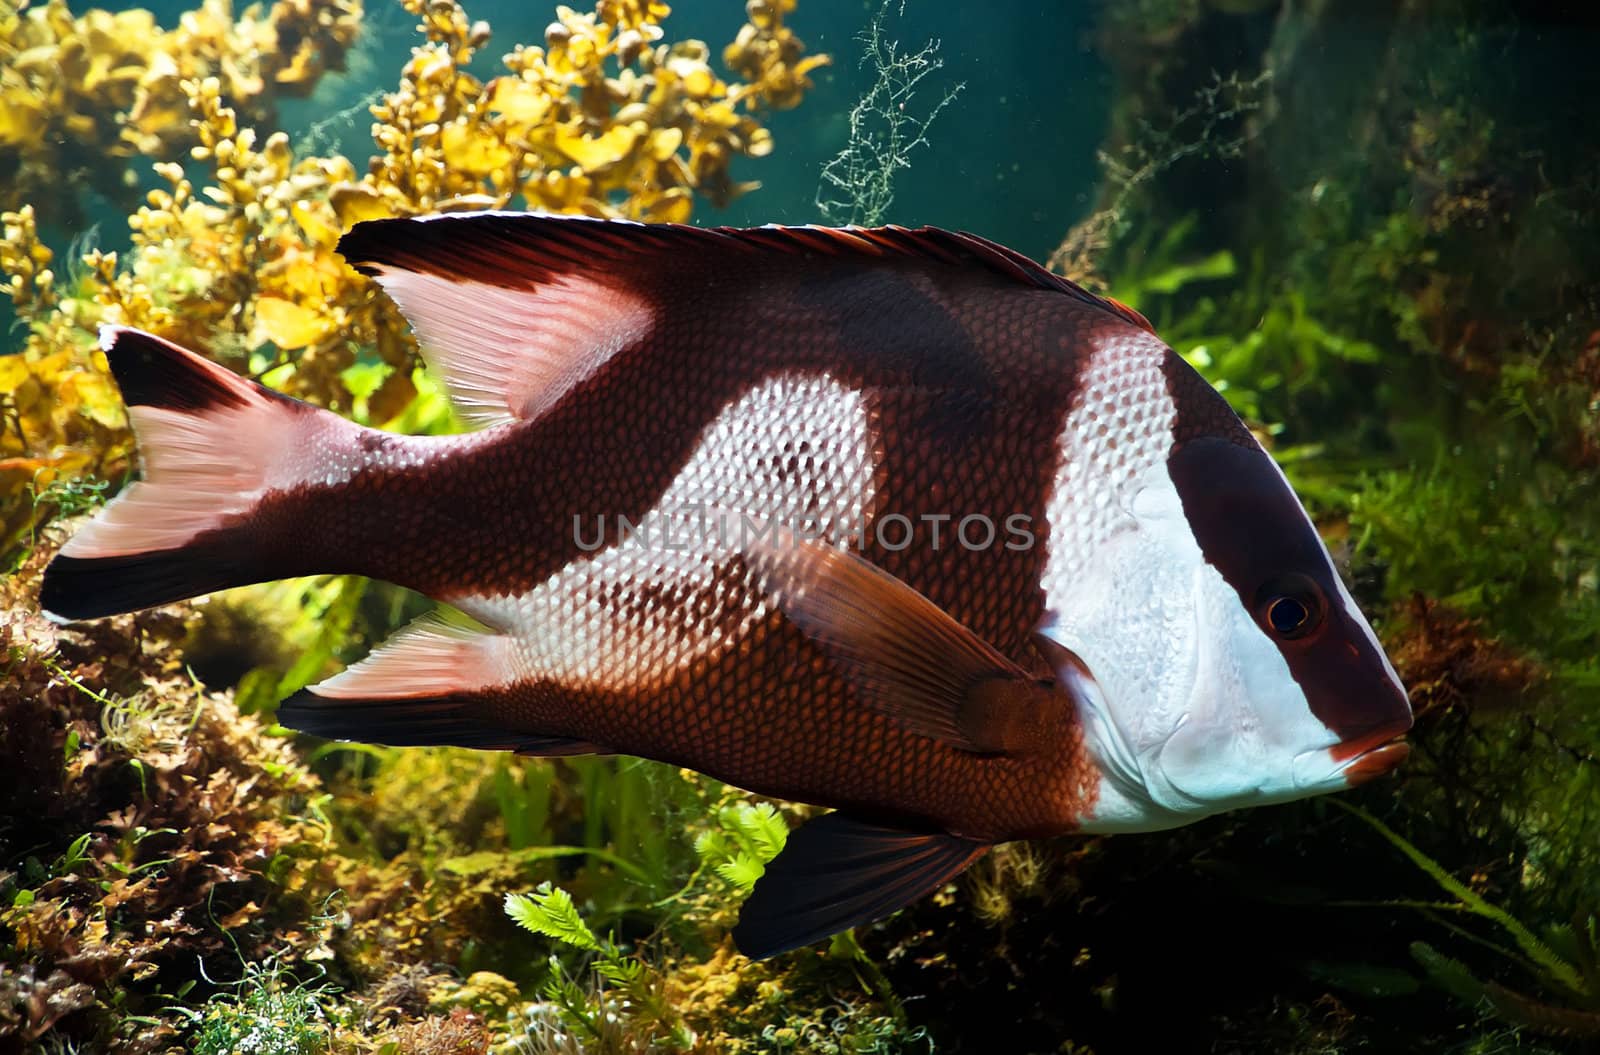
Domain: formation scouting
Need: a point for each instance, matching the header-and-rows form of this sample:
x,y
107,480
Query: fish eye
x,y
1287,615
1291,607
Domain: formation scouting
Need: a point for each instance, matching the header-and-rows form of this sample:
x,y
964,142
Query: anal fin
x,y
442,721
837,872
434,684
420,722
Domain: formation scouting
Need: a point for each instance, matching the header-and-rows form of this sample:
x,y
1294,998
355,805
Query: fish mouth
x,y
1355,761
1376,762
1372,755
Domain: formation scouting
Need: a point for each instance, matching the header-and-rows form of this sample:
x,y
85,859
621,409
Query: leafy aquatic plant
x,y
745,838
627,987
600,995
1564,960
268,1012
143,818
79,90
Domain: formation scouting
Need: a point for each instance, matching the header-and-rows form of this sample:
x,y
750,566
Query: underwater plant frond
x,y
77,90
1561,962
550,911
887,125
744,838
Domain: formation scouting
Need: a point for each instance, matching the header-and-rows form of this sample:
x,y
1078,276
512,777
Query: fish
x,y
893,522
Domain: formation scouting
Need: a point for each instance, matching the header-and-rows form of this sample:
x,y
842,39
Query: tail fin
x,y
212,443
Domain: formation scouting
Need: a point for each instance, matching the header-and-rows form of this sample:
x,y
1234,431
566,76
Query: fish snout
x,y
1370,752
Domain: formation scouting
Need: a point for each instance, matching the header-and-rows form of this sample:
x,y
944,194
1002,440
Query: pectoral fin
x,y
904,654
837,872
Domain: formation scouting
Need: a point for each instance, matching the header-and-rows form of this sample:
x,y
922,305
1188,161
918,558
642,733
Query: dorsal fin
x,y
515,309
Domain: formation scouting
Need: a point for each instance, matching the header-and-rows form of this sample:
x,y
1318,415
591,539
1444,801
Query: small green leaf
x,y
363,379
1368,979
549,911
742,871
257,691
1448,974
77,853
759,828
620,972
747,837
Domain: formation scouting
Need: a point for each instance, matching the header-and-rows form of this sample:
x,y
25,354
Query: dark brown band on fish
x,y
1199,410
953,361
1251,529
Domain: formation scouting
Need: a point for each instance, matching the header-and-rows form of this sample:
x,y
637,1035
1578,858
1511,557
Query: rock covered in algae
x,y
146,825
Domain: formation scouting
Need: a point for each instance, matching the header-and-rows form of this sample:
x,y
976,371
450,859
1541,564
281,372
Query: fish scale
x,y
1119,427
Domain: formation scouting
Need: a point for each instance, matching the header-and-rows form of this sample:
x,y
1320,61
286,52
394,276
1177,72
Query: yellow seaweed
x,y
604,118
77,90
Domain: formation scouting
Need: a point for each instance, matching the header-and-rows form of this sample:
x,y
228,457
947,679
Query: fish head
x,y
1227,664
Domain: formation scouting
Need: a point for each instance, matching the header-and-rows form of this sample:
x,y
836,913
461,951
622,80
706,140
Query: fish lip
x,y
1351,750
1376,761
1353,762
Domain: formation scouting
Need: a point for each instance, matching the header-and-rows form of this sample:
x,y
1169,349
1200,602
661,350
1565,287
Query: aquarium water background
x,y
1375,227
1020,174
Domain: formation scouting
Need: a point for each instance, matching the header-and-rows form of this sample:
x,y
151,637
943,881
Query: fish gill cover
x,y
1376,236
